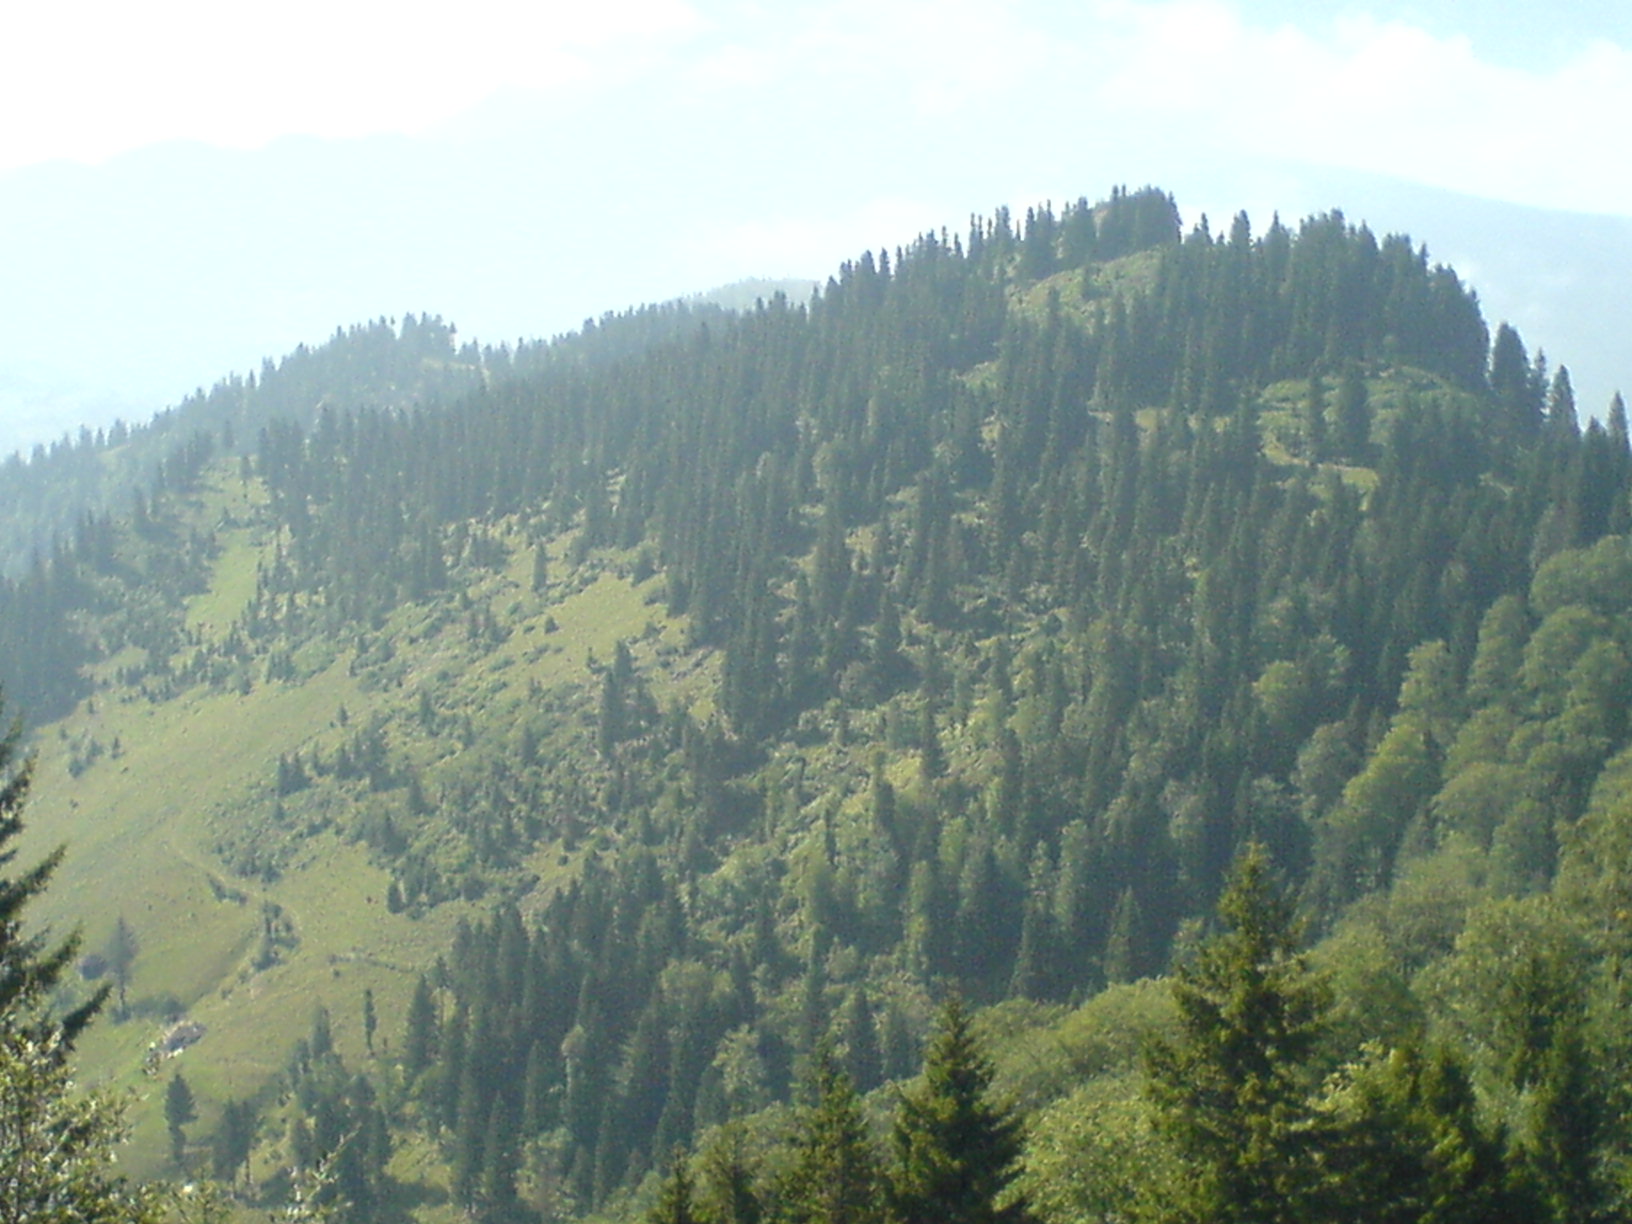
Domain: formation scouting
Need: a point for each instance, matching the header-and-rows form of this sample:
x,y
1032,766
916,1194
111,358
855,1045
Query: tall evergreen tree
x,y
179,1110
1231,1090
56,1145
29,967
121,957
957,1152
835,1178
674,1200
419,1039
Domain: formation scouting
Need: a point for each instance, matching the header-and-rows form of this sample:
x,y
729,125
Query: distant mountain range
x,y
132,282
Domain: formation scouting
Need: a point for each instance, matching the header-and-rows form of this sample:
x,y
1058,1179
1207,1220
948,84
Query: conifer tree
x,y
56,1145
29,968
835,1178
234,1140
727,1193
1314,417
674,1205
179,1110
1351,418
419,1041
956,1151
121,957
1230,1090
1410,1146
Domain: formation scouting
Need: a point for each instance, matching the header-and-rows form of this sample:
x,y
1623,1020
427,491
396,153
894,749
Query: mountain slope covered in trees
x,y
676,714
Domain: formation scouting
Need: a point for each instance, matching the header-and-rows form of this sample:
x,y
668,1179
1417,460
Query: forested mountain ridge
x,y
954,630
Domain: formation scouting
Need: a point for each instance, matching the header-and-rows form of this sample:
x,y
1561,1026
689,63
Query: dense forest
x,y
1164,695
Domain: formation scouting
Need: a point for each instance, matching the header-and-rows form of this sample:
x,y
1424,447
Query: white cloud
x,y
1145,82
1384,97
1116,84
92,79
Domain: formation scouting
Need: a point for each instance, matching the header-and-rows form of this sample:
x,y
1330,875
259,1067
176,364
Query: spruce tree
x,y
29,967
674,1204
1230,1091
1410,1145
419,1042
121,957
1351,424
835,1178
727,1193
956,1151
371,1020
179,1110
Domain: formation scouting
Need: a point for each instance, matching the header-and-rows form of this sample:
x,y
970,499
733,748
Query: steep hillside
x,y
595,748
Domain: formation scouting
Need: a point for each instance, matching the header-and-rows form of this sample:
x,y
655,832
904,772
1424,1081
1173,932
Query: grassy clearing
x,y
142,826
230,504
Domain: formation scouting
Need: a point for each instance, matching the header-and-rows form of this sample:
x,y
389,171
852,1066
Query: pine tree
x,y
1314,417
179,1110
674,1204
419,1041
835,1178
1230,1090
29,969
234,1140
1410,1146
727,1193
957,1153
1351,418
121,957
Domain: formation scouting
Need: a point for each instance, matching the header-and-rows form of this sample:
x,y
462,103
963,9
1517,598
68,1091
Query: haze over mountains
x,y
135,281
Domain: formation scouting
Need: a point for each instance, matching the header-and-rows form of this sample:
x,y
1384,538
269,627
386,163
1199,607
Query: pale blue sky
x,y
1518,102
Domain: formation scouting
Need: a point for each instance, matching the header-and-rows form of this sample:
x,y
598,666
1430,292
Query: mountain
x,y
1550,274
142,278
522,761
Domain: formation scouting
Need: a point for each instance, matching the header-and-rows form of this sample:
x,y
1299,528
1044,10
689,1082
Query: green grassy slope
x,y
178,778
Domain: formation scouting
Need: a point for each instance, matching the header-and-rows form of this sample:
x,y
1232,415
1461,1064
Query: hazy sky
x,y
1525,103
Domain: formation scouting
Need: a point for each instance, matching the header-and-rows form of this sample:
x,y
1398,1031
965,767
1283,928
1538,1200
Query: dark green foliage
x,y
1232,1089
120,954
1351,418
1409,1146
30,967
179,1110
727,1193
234,1140
674,1205
339,1138
835,1177
956,1152
419,1041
